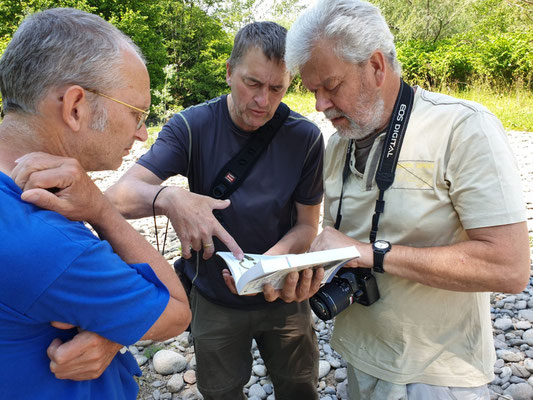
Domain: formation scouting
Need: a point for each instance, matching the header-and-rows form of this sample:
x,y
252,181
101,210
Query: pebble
x,y
512,316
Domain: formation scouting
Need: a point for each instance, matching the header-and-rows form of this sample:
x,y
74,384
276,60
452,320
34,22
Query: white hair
x,y
355,28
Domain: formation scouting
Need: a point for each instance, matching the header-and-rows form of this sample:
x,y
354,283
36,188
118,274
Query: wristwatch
x,y
380,248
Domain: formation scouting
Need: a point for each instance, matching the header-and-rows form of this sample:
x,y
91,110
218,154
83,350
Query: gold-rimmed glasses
x,y
141,117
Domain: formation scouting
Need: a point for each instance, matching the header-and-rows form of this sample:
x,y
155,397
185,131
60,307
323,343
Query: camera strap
x,y
389,155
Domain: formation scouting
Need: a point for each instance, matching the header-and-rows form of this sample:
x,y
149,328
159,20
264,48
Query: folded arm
x,y
76,197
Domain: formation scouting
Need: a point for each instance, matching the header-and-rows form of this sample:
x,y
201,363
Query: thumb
x,y
221,204
41,198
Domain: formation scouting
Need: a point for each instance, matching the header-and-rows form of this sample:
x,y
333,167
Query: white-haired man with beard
x,y
450,229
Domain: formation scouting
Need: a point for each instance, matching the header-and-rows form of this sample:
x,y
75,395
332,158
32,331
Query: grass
x,y
514,107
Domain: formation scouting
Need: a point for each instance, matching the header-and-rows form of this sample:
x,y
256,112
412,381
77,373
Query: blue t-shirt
x,y
54,269
198,142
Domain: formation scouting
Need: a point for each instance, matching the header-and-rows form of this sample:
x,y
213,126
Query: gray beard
x,y
362,130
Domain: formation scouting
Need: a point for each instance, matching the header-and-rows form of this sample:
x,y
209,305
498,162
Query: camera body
x,y
349,285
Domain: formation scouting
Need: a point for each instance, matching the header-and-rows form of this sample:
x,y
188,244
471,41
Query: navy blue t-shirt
x,y
199,141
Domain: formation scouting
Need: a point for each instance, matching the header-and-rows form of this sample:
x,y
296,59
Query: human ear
x,y
378,64
228,73
74,108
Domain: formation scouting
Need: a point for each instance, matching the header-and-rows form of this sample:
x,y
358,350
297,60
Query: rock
x,y
141,360
509,356
167,362
323,368
259,370
520,371
341,374
257,390
528,337
526,314
503,324
189,376
520,391
175,383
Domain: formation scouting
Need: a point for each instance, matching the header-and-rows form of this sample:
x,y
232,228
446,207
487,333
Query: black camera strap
x,y
389,155
237,169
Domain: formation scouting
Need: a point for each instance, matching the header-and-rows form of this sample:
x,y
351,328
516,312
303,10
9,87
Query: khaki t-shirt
x,y
455,172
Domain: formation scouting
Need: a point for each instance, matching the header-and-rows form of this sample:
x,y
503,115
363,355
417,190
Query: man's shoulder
x,y
193,113
300,124
449,104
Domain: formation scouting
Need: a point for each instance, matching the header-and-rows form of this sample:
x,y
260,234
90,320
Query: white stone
x,y
167,362
175,383
323,368
259,370
257,390
503,324
528,337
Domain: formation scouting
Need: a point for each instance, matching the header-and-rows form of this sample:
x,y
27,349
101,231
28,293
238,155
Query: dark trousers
x,y
223,340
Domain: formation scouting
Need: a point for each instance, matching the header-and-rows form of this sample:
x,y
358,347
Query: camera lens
x,y
331,299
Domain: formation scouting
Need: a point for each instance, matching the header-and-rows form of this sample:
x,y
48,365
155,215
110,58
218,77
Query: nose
x,y
261,98
141,134
323,102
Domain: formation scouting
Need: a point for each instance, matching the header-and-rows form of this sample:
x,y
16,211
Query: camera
x,y
349,285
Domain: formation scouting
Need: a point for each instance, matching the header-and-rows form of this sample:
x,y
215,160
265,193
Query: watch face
x,y
381,245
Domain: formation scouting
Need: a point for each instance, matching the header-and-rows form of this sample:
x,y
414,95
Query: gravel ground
x,y
169,367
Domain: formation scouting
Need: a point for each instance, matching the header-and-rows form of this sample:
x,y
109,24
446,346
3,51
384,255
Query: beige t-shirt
x,y
456,171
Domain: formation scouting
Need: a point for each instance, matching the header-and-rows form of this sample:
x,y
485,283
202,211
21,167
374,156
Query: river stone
x,y
167,362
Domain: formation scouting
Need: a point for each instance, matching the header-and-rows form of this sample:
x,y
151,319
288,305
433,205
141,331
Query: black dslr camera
x,y
347,286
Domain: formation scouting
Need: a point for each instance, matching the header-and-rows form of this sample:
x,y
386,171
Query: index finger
x,y
228,240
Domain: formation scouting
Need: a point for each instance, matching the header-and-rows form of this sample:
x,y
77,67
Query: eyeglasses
x,y
141,117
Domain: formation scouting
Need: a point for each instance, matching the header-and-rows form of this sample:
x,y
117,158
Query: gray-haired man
x,y
451,227
75,87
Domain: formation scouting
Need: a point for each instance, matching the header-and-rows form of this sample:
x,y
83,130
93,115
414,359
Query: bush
x,y
500,59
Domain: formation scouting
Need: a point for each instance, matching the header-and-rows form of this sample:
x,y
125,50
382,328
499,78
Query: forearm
x,y
133,199
297,240
493,259
133,248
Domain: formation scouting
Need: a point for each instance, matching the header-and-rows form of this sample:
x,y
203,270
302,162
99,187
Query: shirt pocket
x,y
414,175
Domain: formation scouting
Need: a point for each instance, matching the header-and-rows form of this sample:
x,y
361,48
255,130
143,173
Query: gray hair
x,y
268,36
356,28
60,46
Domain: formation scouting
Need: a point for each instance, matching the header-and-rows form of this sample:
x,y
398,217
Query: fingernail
x,y
31,197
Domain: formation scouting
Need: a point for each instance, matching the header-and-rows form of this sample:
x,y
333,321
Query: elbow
x,y
185,321
517,279
180,324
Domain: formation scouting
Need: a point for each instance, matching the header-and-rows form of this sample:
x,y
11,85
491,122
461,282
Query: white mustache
x,y
332,114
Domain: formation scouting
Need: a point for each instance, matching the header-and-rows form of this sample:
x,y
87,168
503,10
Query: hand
x,y
192,217
330,238
230,283
74,194
84,357
297,287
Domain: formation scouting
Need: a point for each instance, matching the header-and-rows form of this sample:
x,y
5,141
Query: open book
x,y
256,270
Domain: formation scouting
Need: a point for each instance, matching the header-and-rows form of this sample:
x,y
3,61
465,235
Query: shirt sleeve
x,y
482,174
309,190
101,293
169,155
